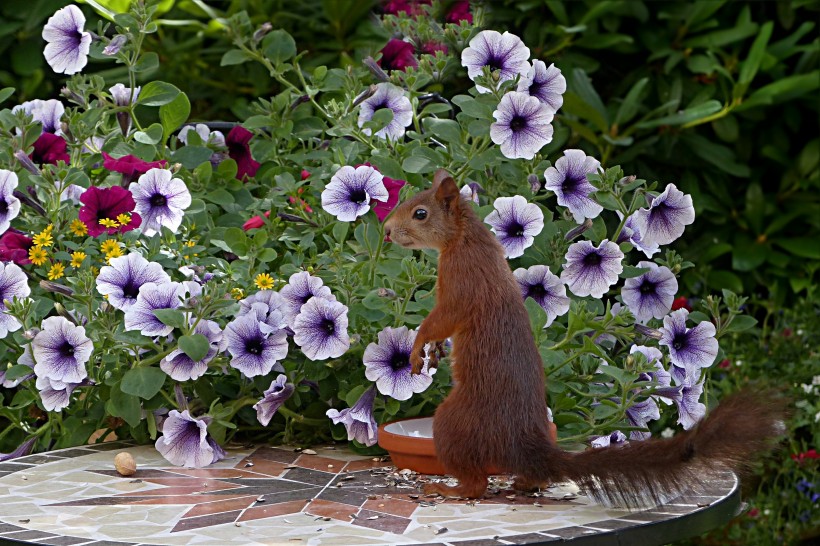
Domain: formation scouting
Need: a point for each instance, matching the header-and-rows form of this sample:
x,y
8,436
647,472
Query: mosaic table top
x,y
267,495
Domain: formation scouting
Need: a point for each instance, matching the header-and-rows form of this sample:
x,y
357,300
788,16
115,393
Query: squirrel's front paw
x,y
416,362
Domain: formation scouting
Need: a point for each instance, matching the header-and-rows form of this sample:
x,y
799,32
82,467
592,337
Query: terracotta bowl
x,y
410,444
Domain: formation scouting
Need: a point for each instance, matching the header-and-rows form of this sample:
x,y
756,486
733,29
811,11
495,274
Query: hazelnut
x,y
125,464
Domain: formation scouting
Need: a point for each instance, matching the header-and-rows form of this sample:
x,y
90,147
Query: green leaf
x,y
725,279
387,166
17,371
630,272
175,113
152,135
805,247
740,323
5,93
752,63
718,38
418,164
747,254
582,86
236,240
472,107
629,107
279,46
192,157
125,405
157,93
143,382
684,116
170,317
234,56
447,130
266,255
381,119
538,317
196,346
782,90
148,61
340,230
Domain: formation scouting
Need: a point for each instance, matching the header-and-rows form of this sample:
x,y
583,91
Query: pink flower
x,y
256,222
14,247
410,7
102,203
460,12
240,151
397,55
49,148
431,47
130,165
305,174
384,208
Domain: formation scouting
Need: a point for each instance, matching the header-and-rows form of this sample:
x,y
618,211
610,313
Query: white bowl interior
x,y
416,428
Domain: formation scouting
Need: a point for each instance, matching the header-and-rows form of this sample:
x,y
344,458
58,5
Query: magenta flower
x,y
460,11
49,148
397,55
130,166
384,208
14,247
240,151
107,203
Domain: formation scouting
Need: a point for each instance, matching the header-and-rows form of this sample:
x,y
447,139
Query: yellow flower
x,y
116,253
37,255
109,223
77,258
78,228
109,246
43,238
237,293
57,270
124,219
190,243
264,281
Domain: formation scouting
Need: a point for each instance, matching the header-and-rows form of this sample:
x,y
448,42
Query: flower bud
x,y
375,69
299,100
386,293
627,180
648,332
114,45
72,96
63,312
576,231
31,333
262,31
57,288
535,183
369,92
26,162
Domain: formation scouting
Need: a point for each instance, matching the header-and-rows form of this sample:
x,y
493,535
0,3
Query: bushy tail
x,y
741,428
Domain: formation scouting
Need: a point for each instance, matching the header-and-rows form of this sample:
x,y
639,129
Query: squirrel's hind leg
x,y
523,483
472,487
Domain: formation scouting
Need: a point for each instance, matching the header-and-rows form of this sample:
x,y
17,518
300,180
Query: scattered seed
x,y
291,466
413,496
354,516
348,477
308,452
372,497
260,498
511,497
248,464
704,504
381,505
286,521
440,531
338,484
136,481
238,524
373,517
330,466
24,520
538,504
25,478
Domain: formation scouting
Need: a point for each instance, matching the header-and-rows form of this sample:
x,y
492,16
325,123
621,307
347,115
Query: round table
x,y
280,495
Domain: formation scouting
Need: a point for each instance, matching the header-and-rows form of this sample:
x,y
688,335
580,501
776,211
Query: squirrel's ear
x,y
446,188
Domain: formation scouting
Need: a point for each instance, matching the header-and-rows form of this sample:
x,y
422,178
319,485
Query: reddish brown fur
x,y
496,415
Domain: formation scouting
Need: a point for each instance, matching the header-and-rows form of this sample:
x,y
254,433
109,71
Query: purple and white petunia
x,y
47,112
182,367
347,196
61,350
13,284
631,232
388,364
666,218
320,329
55,395
185,441
650,295
68,43
392,97
269,307
21,451
568,180
540,284
690,409
516,223
153,297
639,415
523,125
122,278
614,438
358,420
122,95
546,84
590,271
161,200
505,53
9,204
300,288
276,395
208,137
255,347
690,349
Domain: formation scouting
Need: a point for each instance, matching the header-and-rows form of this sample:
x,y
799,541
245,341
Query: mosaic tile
x,y
289,497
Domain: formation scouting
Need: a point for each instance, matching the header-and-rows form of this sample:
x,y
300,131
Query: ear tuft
x,y
446,189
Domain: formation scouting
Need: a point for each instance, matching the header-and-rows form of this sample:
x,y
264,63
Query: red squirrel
x,y
495,417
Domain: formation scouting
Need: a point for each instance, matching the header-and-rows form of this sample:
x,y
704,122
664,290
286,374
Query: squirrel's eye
x,y
420,214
